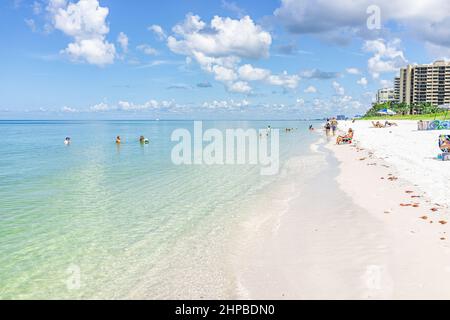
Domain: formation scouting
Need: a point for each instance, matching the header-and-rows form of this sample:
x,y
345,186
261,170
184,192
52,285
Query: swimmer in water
x,y
67,141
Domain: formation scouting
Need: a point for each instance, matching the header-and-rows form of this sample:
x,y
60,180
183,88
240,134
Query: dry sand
x,y
375,230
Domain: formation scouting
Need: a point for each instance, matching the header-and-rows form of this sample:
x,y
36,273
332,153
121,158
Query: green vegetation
x,y
423,111
439,116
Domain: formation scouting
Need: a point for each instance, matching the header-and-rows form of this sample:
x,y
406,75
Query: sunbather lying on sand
x,y
345,138
377,125
389,124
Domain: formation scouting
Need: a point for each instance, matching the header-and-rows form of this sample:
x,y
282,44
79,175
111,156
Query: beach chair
x,y
444,145
345,139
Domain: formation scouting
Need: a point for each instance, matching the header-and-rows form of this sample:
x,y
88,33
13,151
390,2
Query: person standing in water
x,y
334,125
327,128
118,140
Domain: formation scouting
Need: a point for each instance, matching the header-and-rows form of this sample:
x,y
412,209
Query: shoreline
x,y
307,256
373,174
359,229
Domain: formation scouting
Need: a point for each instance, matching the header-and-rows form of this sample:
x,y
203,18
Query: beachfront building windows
x,y
426,83
386,95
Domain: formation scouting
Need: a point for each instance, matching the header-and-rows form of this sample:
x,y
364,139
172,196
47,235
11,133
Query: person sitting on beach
x,y
344,138
311,128
444,143
118,139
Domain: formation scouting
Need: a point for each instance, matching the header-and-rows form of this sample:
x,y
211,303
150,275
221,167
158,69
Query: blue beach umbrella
x,y
387,112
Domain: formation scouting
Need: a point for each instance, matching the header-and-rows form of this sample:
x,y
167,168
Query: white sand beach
x,y
381,234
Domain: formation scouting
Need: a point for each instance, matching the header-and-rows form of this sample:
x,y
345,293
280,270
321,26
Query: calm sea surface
x,y
94,220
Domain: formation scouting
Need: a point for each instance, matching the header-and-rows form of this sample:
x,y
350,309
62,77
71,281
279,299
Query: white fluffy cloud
x,y
339,90
300,102
85,22
239,87
427,20
386,83
363,81
284,80
149,105
352,71
387,57
68,109
224,74
226,104
101,107
249,73
225,37
158,31
147,49
122,39
219,47
343,104
310,89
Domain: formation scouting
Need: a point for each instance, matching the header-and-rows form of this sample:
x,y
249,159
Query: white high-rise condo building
x,y
386,95
425,83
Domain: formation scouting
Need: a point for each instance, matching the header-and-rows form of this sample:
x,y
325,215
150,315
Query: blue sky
x,y
186,59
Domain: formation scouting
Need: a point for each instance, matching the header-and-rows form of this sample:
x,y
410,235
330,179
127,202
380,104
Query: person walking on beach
x,y
334,125
327,128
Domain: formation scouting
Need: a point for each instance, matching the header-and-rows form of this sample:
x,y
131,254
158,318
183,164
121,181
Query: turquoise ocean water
x,y
124,222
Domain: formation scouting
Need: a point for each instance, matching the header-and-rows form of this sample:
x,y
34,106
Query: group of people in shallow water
x,y
142,140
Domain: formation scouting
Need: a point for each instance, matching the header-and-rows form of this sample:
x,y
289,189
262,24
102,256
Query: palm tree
x,y
403,108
